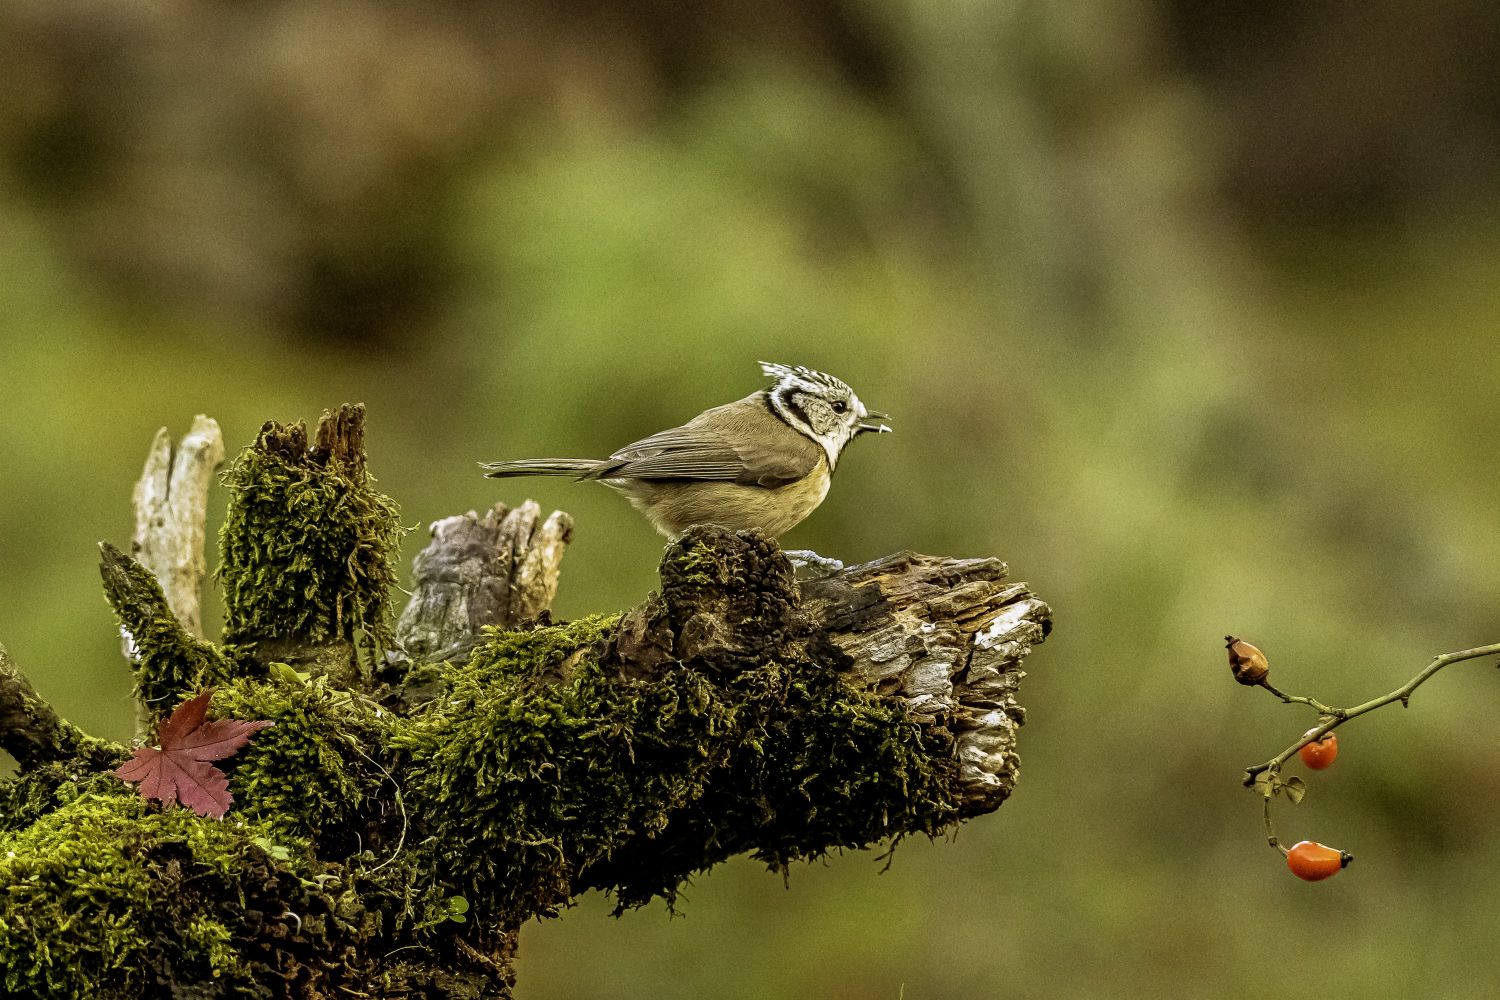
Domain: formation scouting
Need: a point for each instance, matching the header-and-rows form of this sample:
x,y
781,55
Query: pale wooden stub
x,y
171,514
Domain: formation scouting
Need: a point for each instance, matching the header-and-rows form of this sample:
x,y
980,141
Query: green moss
x,y
552,761
530,656
487,768
541,771
323,773
29,796
529,789
695,563
810,765
109,896
307,547
311,773
833,768
170,662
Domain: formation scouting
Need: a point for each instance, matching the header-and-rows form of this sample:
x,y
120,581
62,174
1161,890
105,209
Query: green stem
x,y
1270,831
1316,705
1335,717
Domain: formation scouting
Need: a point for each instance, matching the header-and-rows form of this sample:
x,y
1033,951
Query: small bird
x,y
763,462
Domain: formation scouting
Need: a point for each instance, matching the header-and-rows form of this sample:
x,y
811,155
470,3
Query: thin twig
x,y
1331,718
1270,830
1312,703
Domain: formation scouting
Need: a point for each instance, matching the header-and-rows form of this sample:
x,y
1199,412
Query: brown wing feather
x,y
741,442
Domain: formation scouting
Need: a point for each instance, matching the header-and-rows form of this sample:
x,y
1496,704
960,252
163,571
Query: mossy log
x,y
429,786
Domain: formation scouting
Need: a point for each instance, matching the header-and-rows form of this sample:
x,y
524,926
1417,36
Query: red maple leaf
x,y
181,770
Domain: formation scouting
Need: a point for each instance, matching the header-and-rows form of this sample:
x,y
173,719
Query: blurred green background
x,y
1187,311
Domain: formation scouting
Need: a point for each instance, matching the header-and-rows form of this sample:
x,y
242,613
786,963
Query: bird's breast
x,y
675,506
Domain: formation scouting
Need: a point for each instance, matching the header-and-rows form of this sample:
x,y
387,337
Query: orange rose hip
x,y
1320,754
1314,862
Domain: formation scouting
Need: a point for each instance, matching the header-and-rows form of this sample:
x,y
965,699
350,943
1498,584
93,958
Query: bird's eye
x,y
840,406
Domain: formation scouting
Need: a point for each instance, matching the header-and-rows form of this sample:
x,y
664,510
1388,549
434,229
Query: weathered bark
x,y
339,438
171,510
497,570
947,637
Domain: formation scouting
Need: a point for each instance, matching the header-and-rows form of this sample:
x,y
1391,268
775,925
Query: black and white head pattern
x,y
818,405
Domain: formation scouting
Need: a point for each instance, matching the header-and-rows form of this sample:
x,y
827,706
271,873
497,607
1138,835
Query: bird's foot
x,y
811,566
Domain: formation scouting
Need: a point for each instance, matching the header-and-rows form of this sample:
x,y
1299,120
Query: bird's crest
x,y
796,373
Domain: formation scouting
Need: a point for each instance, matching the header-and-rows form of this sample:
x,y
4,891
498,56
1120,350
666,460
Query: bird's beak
x,y
876,428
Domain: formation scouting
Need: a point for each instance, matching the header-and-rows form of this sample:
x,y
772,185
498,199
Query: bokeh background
x,y
1188,311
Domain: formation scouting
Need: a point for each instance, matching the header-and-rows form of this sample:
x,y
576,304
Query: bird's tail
x,y
579,467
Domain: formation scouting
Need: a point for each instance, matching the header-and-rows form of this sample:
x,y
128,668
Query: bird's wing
x,y
735,443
